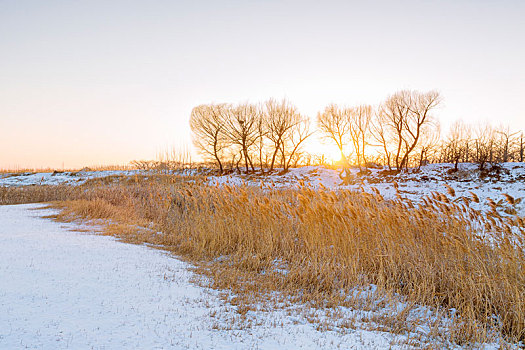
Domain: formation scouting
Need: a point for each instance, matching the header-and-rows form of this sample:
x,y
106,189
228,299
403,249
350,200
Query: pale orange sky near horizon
x,y
105,82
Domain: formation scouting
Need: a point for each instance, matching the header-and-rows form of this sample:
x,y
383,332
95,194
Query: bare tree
x,y
456,146
521,144
506,142
293,141
407,114
281,118
428,145
262,132
380,134
394,113
359,120
208,128
483,151
334,124
241,127
176,158
146,165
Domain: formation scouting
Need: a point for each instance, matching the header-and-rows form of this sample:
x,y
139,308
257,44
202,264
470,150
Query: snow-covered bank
x,y
57,178
61,289
507,178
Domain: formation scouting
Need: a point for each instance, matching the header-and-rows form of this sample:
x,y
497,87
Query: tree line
x,y
401,132
266,135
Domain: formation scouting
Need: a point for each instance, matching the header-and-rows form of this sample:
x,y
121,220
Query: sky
x,y
106,82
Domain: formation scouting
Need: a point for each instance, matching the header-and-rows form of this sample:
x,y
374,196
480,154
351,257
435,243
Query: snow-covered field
x,y
61,289
412,185
57,178
509,179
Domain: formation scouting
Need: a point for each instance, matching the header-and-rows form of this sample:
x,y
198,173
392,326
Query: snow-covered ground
x,y
61,289
509,179
57,178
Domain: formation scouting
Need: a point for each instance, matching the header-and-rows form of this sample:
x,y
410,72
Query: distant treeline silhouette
x,y
401,132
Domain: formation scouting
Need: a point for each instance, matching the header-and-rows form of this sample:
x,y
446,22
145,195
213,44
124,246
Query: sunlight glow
x,y
97,82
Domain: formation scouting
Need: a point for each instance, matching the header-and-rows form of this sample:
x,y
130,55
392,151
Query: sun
x,y
333,154
330,152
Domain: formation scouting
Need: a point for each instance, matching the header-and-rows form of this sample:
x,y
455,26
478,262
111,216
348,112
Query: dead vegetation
x,y
318,246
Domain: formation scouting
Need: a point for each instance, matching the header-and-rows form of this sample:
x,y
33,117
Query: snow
x,y
61,289
412,185
57,178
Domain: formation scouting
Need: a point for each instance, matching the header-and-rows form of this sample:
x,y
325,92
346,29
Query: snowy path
x,y
68,290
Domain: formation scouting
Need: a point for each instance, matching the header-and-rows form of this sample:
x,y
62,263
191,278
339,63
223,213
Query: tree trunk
x,y
215,153
521,148
277,145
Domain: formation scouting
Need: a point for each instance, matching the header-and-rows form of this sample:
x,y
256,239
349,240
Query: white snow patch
x,y
58,178
61,289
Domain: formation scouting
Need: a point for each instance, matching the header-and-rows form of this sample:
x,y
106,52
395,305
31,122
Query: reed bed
x,y
439,253
36,194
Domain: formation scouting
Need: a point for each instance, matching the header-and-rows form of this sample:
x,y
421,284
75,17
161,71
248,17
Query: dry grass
x,y
440,253
36,194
